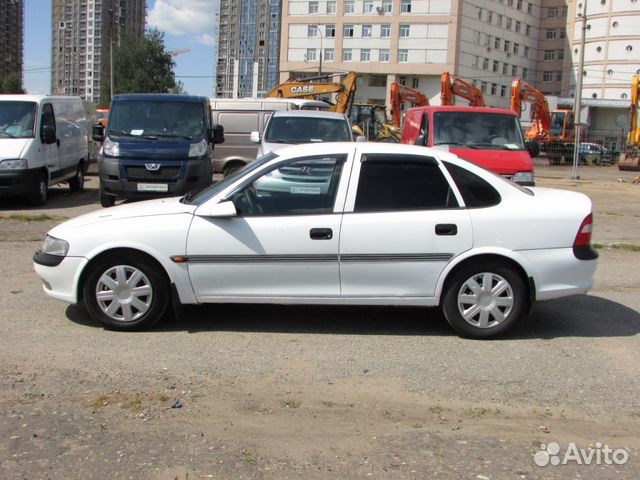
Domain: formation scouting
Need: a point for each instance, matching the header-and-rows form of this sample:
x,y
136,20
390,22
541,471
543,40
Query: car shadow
x,y
58,197
576,316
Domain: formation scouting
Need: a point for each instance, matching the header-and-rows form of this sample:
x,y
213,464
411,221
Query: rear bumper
x,y
18,182
558,273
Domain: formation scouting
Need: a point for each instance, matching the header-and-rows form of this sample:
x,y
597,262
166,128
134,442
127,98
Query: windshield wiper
x,y
188,196
169,135
283,141
450,143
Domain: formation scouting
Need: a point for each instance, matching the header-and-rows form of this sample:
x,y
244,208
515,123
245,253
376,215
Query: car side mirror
x,y
534,148
255,137
361,138
421,141
220,210
217,134
97,132
48,135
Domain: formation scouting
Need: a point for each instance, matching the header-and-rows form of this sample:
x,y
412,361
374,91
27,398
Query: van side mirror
x,y
217,134
254,137
48,135
97,132
534,148
421,141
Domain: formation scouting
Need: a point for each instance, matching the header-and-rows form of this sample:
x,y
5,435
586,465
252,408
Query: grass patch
x,y
437,410
32,218
628,247
597,246
292,403
15,292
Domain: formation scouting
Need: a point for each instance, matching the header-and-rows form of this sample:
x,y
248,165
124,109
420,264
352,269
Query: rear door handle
x,y
446,229
321,234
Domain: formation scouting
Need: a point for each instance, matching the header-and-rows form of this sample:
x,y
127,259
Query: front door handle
x,y
446,229
321,234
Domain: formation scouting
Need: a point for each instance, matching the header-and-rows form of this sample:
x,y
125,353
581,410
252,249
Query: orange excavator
x,y
630,160
401,94
344,91
452,86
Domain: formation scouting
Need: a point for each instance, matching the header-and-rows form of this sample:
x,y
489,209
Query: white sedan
x,y
387,224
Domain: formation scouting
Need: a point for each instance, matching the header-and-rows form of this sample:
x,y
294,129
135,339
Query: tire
x,y
126,292
234,167
76,184
40,194
106,200
489,313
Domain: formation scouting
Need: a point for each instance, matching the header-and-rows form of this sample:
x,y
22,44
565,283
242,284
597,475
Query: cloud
x,y
206,39
184,17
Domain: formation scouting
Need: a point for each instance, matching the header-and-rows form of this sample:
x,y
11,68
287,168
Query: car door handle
x,y
446,229
321,234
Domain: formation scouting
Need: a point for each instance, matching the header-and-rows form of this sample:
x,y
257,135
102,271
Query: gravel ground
x,y
309,392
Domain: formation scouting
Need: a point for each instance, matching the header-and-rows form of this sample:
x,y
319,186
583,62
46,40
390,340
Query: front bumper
x,y
18,182
61,281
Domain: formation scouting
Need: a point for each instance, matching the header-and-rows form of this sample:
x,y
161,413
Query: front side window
x,y
305,186
391,183
17,119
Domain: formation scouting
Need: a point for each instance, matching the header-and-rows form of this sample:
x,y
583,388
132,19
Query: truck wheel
x,y
76,184
106,200
39,196
124,292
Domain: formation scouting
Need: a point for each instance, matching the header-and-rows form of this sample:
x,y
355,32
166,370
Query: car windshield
x,y
478,130
307,130
17,119
157,119
199,197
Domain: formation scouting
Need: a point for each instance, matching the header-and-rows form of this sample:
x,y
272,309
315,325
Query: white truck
x,y
43,141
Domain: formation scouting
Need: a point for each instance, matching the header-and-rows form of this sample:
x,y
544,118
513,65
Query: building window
x,y
485,64
552,12
509,23
507,45
560,54
387,6
365,55
496,43
500,18
384,56
366,31
312,31
503,90
331,8
311,55
558,76
505,68
518,26
547,77
406,6
514,70
348,31
349,6
526,52
496,65
489,16
549,55
494,89
403,56
527,30
564,11
313,8
525,73
330,31
563,33
404,31
483,87
346,55
367,6
385,30
328,54
551,34
519,5
516,48
529,8
479,14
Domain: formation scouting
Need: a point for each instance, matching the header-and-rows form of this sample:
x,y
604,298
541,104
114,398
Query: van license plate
x,y
153,187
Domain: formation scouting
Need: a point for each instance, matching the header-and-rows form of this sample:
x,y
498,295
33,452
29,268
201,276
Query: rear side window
x,y
400,182
476,192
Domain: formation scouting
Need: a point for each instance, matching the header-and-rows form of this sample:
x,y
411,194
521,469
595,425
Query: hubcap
x,y
485,300
124,293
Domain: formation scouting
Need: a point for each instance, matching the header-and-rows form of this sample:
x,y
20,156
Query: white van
x,y
240,117
43,141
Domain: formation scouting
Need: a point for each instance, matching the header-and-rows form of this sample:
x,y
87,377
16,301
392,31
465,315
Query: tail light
x,y
582,244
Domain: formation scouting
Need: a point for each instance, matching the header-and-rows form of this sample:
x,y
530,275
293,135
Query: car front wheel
x,y
126,293
483,300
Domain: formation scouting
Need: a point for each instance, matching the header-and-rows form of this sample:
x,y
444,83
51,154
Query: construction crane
x,y
630,160
175,53
452,86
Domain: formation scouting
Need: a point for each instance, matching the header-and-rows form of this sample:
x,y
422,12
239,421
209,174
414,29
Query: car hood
x,y
161,206
12,147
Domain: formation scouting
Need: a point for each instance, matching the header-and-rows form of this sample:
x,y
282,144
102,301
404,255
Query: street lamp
x,y
578,94
320,33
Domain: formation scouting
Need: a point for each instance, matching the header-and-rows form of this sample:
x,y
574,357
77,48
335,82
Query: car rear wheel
x,y
483,300
126,293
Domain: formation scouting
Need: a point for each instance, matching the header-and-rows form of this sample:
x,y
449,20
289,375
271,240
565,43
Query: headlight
x,y
523,177
54,246
13,164
111,148
198,149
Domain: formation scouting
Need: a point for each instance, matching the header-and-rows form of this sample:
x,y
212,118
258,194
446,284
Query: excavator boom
x,y
522,92
402,93
452,86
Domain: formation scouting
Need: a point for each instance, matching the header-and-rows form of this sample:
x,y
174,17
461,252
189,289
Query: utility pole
x,y
111,83
320,66
578,95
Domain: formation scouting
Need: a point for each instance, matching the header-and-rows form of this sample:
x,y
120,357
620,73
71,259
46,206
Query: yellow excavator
x,y
630,159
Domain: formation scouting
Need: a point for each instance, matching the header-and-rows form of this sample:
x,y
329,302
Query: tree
x,y
11,84
140,65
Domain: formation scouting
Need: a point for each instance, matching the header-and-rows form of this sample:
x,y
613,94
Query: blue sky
x,y
186,24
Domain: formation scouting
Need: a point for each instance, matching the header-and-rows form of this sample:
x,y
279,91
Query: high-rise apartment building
x,y
11,37
248,47
82,35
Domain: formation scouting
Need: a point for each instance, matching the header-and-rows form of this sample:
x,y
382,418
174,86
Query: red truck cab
x,y
489,137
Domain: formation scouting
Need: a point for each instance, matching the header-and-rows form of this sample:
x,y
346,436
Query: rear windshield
x,y
17,119
307,130
157,119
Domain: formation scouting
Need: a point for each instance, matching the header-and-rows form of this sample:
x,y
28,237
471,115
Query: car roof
x,y
309,113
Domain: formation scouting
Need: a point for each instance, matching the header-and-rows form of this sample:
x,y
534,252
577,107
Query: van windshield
x,y
156,119
17,119
307,130
478,130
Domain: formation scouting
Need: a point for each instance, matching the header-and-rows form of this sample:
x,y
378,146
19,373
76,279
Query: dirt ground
x,y
233,392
